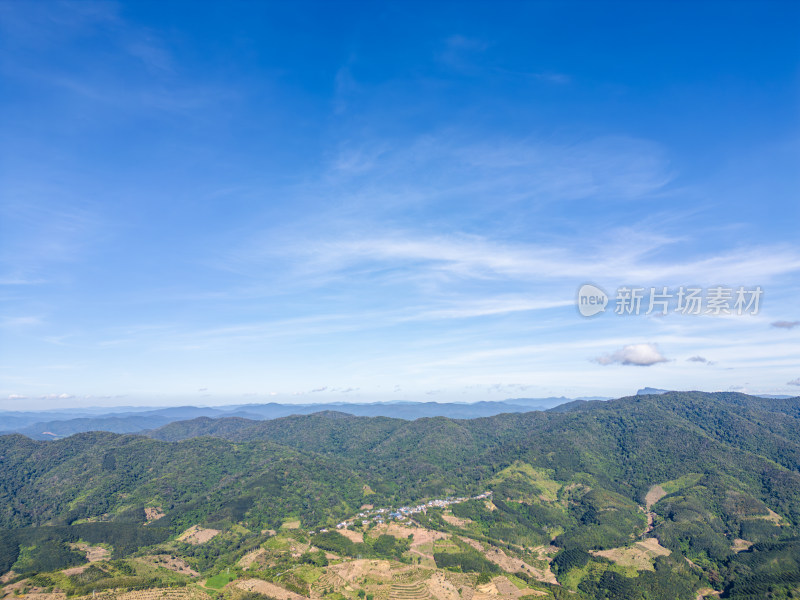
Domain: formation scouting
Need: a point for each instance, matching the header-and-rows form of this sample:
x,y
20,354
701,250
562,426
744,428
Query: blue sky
x,y
248,202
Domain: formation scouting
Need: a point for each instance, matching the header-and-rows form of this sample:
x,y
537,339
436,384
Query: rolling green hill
x,y
728,467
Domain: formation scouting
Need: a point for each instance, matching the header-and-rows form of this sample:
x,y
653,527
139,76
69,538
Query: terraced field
x,y
330,580
187,593
409,591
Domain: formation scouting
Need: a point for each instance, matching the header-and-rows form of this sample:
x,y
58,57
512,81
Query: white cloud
x,y
794,381
641,355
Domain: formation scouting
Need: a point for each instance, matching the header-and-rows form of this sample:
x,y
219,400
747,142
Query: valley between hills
x,y
682,495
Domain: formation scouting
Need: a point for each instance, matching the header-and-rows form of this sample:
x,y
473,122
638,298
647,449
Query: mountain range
x,y
48,425
651,496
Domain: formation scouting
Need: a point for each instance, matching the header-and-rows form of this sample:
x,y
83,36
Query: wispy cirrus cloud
x,y
501,171
32,31
486,307
462,53
444,175
254,333
26,321
479,257
41,236
469,55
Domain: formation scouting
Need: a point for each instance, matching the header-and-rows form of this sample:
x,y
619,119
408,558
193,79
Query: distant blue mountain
x,y
48,425
44,425
649,391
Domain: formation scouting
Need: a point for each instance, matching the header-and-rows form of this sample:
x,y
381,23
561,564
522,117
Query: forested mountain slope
x,y
714,471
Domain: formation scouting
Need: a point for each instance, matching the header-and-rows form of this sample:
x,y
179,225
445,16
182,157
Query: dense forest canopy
x,y
723,467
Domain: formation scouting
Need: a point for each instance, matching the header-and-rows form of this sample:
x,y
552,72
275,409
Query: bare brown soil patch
x,y
773,516
197,535
173,564
153,513
453,520
441,588
41,594
15,587
269,589
474,543
512,564
505,587
248,559
354,570
93,553
739,545
640,555
420,535
704,593
7,577
654,546
654,494
479,595
161,594
96,553
501,587
353,536
508,589
367,507
487,588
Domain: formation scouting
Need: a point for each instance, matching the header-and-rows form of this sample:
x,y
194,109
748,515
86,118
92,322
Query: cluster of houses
x,y
381,515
